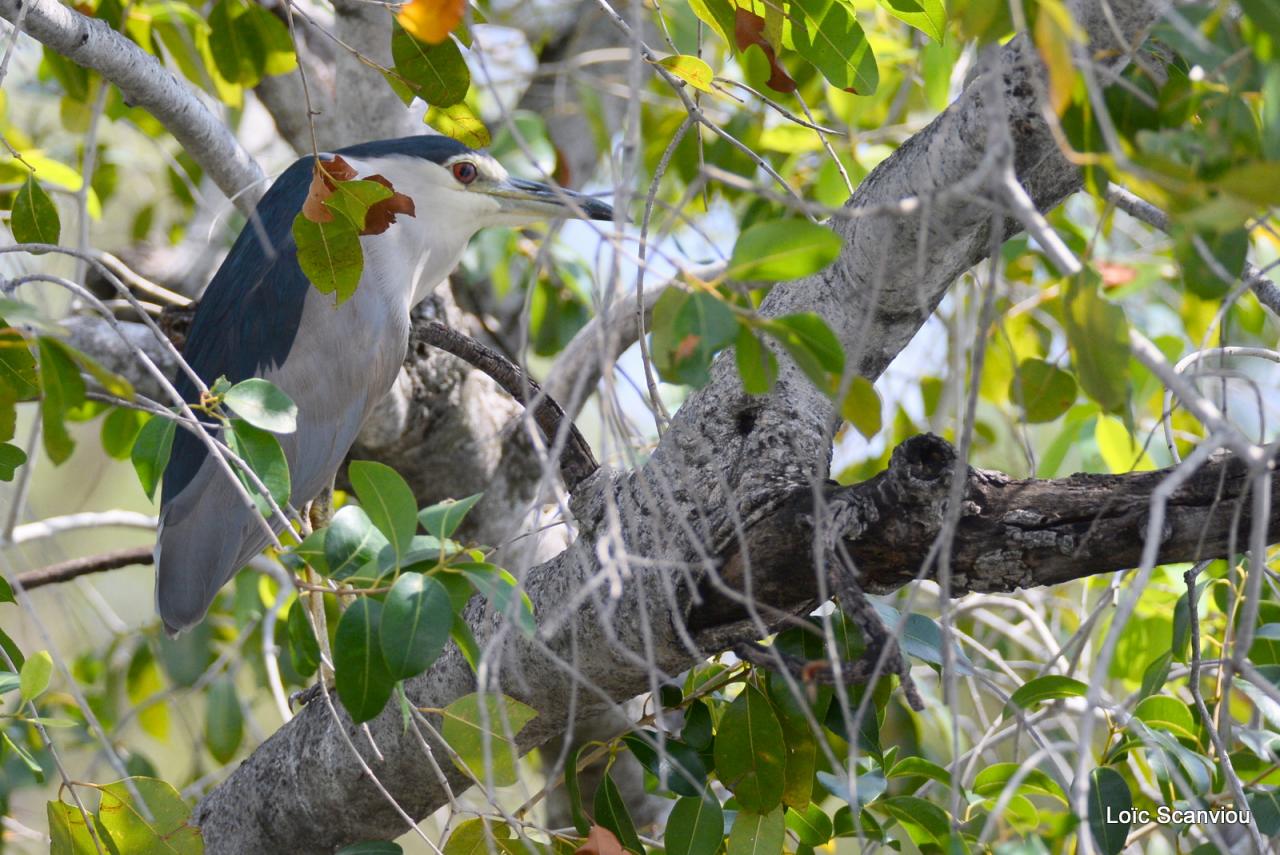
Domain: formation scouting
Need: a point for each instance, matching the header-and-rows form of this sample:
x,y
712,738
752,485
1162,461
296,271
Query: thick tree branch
x,y
1012,533
145,83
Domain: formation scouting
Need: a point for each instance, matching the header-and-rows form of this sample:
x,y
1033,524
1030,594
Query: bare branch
x,y
65,571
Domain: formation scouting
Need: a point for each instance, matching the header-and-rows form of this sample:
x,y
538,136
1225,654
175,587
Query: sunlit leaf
x,y
36,674
782,249
262,404
161,828
483,739
690,69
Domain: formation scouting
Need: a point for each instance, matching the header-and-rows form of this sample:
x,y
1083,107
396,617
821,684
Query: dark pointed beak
x,y
543,200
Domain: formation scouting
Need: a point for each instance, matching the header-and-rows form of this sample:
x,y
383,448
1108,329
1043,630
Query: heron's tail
x,y
205,535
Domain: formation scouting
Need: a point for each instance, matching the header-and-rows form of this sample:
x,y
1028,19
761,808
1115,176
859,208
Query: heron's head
x,y
467,189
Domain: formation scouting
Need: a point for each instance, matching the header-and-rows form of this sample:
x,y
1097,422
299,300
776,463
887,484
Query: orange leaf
x,y
382,214
322,177
600,841
431,21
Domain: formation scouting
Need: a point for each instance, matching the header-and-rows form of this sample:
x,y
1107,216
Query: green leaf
x,y
6,591
750,752
150,454
352,199
484,741
778,250
1264,13
688,330
1168,714
262,404
68,830
273,34
9,681
120,431
580,822
691,70
1047,688
461,123
236,45
364,685
35,217
373,847
909,767
443,519
503,592
924,821
861,407
18,380
11,457
330,255
223,719
993,779
1265,807
802,745
811,826
351,542
611,813
63,390
757,833
388,501
1227,250
435,73
416,617
37,671
1098,335
695,826
1156,674
304,649
35,768
812,345
164,833
828,35
261,451
927,16
478,837
757,365
1042,389
678,767
1108,796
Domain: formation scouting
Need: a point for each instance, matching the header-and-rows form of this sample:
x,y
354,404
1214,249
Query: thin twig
x,y
65,571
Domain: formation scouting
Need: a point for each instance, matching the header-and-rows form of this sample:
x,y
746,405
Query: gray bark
x,y
729,464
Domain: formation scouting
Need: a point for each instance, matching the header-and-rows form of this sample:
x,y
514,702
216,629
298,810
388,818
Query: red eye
x,y
465,172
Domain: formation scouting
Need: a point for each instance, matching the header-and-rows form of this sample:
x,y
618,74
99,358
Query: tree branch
x,y
65,571
145,83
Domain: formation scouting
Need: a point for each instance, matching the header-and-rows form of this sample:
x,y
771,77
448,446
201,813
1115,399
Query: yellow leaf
x,y
431,21
1118,449
1054,34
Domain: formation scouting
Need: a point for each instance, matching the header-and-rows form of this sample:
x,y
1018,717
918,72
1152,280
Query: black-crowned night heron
x,y
260,317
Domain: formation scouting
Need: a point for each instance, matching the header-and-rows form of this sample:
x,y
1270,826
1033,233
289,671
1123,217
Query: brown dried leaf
x,y
600,841
323,176
748,30
382,214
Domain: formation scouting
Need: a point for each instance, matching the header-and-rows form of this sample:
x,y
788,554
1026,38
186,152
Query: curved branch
x,y
145,83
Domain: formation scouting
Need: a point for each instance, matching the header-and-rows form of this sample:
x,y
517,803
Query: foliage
x,y
752,759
